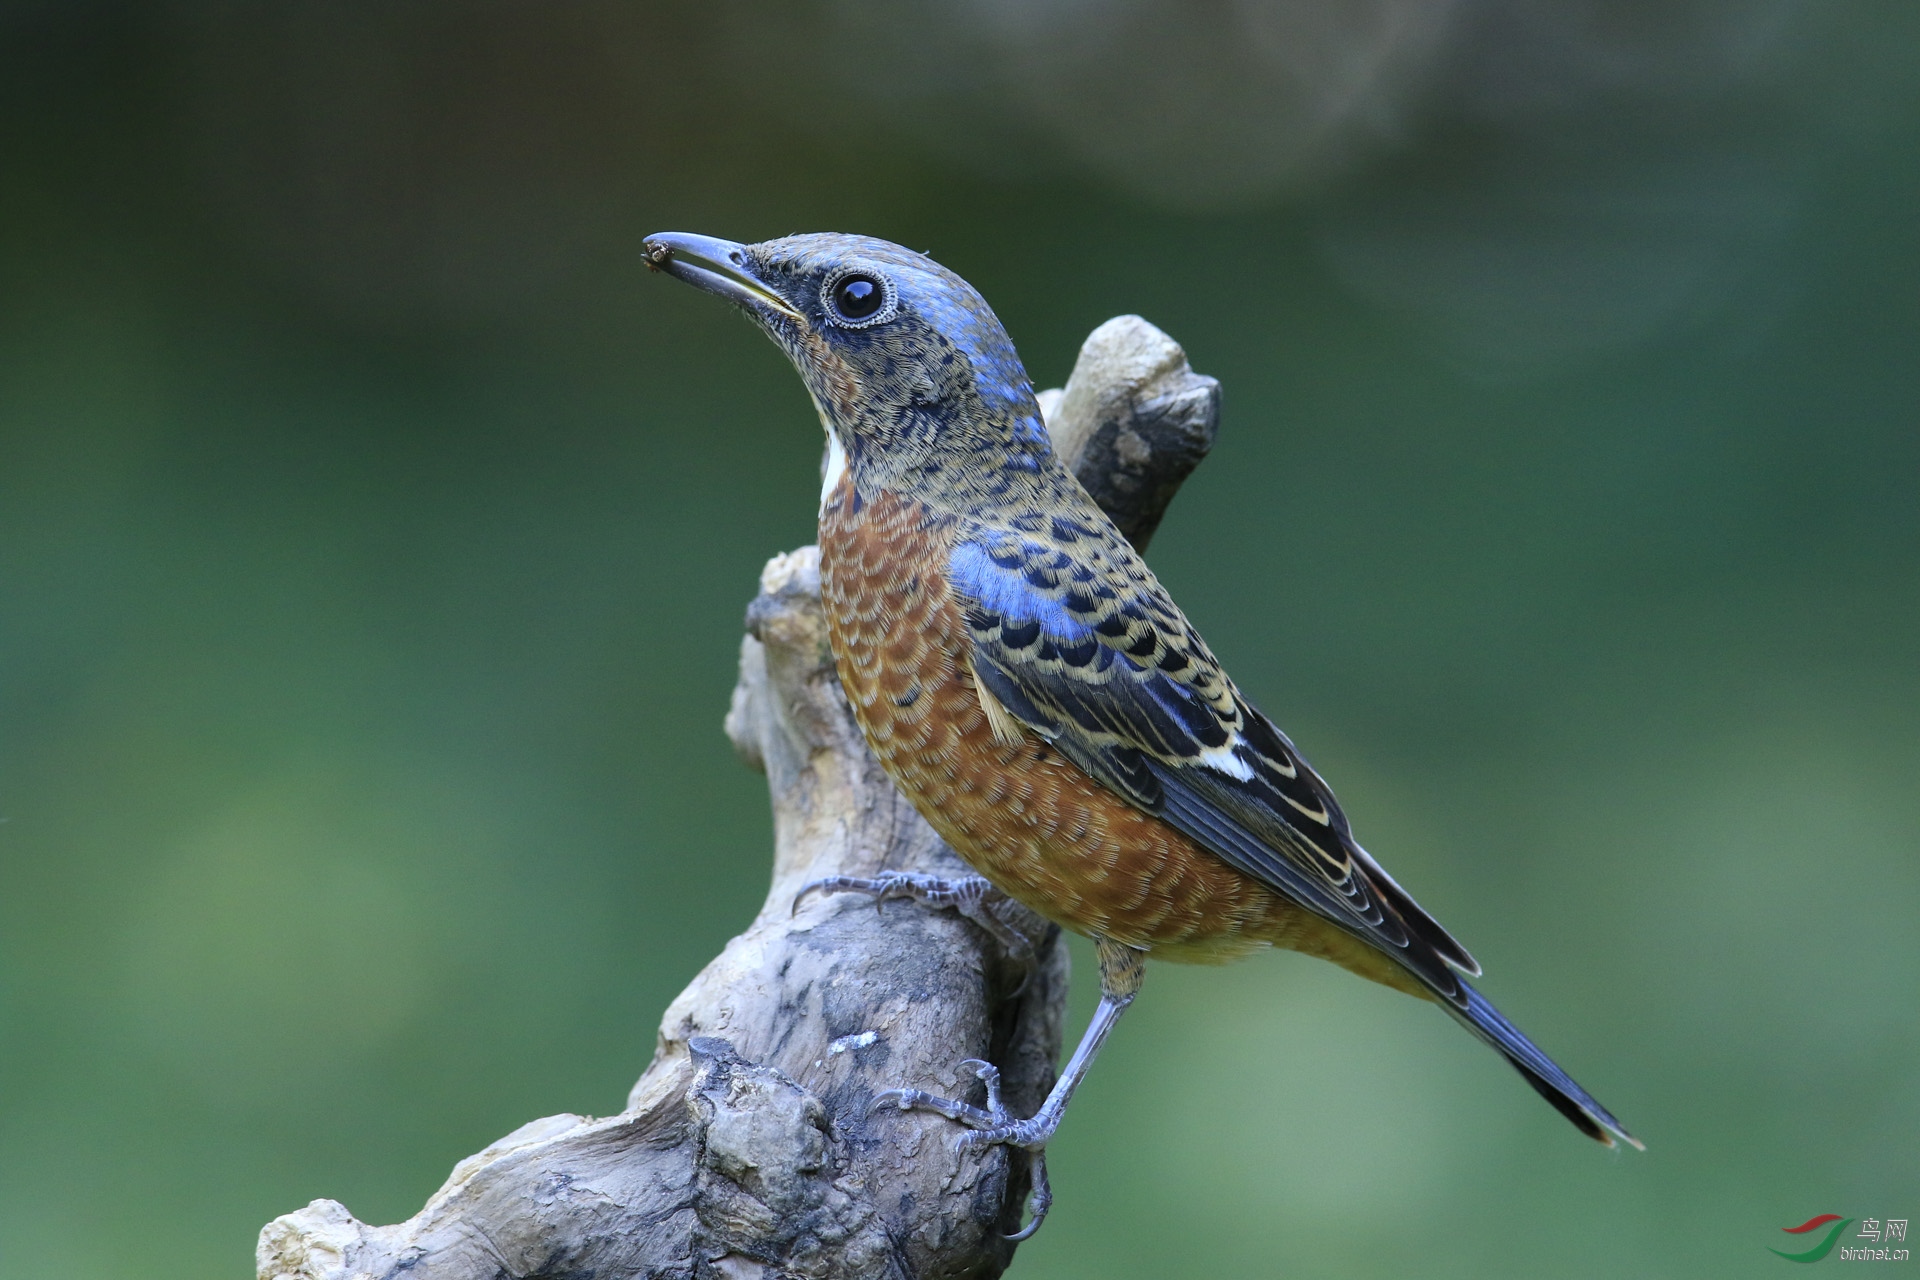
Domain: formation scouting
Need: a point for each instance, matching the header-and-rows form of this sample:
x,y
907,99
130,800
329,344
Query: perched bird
x,y
1032,689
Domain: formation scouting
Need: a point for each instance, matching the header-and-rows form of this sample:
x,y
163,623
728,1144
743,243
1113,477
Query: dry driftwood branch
x,y
1134,420
746,1148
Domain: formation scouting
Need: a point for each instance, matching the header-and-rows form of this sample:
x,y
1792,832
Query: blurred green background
x,y
374,537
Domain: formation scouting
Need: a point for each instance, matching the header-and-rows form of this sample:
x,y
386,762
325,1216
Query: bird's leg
x,y
971,896
1122,968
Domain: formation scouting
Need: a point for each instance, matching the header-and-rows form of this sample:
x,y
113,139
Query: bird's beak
x,y
718,266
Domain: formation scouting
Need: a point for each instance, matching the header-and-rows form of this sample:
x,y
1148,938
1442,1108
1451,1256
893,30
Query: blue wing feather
x,y
1102,664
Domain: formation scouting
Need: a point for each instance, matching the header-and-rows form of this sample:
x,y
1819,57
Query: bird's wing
x,y
1077,641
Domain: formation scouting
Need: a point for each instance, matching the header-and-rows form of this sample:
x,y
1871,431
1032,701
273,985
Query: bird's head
x,y
907,364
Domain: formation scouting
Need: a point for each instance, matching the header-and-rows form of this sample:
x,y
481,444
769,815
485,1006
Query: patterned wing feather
x,y
1076,640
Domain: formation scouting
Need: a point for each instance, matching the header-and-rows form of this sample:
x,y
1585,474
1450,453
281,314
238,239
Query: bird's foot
x,y
988,1127
962,891
971,896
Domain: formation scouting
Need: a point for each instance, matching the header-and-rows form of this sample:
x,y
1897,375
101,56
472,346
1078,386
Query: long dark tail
x,y
1542,1072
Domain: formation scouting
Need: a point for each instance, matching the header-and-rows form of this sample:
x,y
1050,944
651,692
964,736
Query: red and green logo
x,y
1813,1224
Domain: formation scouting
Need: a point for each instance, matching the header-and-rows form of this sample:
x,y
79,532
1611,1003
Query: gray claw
x,y
837,884
971,896
1023,1134
989,1075
1040,1199
921,1100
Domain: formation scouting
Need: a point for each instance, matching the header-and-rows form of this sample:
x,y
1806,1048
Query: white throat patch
x,y
836,466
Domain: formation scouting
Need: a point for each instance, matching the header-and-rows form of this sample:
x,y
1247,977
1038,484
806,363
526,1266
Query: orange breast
x,y
1028,819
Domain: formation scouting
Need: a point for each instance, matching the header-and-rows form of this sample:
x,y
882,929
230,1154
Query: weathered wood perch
x,y
745,1148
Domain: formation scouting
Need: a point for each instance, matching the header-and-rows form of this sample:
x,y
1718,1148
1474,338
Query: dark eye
x,y
857,297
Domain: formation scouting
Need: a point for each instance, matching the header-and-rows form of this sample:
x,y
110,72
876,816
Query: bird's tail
x,y
1542,1072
